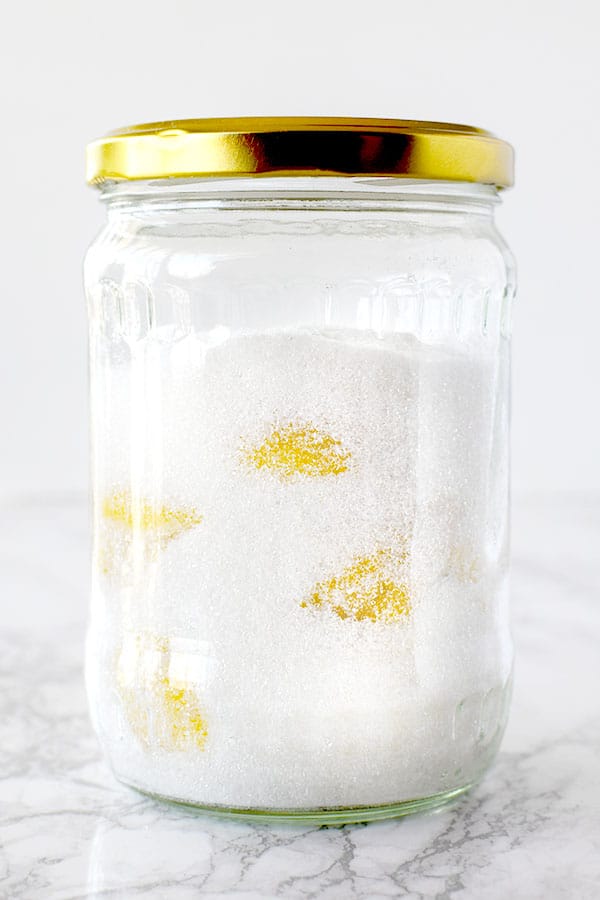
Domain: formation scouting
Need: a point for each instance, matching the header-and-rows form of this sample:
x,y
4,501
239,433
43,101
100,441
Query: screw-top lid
x,y
203,148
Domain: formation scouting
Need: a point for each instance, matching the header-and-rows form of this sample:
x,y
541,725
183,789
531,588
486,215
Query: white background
x,y
69,71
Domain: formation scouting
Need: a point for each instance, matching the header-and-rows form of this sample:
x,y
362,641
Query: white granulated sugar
x,y
306,702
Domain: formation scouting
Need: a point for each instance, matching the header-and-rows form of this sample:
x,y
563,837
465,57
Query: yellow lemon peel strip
x,y
143,527
162,712
464,564
299,449
145,516
369,588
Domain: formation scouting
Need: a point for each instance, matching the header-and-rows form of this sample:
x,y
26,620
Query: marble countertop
x,y
530,830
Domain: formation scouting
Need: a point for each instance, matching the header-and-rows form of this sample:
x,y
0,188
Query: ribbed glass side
x,y
300,467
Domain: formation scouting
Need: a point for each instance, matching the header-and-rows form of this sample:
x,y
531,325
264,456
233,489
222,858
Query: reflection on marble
x,y
530,830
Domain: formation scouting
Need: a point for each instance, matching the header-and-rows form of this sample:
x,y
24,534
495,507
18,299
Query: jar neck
x,y
299,192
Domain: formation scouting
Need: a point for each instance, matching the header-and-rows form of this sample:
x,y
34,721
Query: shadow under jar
x,y
299,337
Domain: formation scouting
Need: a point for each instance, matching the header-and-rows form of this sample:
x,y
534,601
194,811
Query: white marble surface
x,y
531,830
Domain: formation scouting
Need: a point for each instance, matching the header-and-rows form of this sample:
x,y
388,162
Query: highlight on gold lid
x,y
397,148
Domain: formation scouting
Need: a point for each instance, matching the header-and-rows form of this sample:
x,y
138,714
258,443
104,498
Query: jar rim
x,y
297,146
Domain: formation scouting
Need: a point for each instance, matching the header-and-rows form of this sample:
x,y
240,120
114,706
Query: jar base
x,y
320,816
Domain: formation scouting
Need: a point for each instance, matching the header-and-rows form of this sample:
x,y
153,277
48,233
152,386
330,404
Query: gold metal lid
x,y
201,148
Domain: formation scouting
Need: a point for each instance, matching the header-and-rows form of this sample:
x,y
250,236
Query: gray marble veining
x,y
530,830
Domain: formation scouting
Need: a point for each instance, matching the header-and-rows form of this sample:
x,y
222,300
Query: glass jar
x,y
300,463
